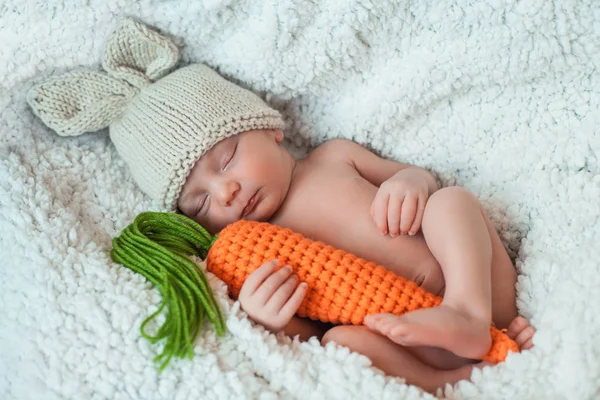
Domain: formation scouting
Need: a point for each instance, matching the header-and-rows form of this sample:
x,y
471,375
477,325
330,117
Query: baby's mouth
x,y
251,204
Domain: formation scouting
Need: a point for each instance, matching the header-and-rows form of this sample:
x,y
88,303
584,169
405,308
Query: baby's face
x,y
246,176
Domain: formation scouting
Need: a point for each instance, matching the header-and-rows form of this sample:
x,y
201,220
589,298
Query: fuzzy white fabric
x,y
499,97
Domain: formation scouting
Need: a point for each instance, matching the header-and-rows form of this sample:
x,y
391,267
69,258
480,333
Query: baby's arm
x,y
369,165
399,204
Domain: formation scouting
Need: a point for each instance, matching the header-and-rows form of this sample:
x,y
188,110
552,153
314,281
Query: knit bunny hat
x,y
160,123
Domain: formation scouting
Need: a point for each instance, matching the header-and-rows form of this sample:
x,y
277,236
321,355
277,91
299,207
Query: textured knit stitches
x,y
342,288
173,122
160,124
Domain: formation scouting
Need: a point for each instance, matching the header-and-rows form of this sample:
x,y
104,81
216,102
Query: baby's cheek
x,y
208,223
215,227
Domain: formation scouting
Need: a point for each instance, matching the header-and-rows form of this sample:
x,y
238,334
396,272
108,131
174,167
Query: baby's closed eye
x,y
228,158
203,203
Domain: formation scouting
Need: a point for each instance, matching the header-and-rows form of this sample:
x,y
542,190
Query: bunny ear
x,y
79,102
138,54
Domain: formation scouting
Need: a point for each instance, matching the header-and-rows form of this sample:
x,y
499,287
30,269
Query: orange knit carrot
x,y
342,288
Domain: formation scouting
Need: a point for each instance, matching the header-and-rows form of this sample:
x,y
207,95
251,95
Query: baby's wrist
x,y
271,328
430,178
434,183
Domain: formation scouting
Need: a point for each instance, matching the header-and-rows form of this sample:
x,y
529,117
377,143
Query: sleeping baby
x,y
213,150
383,211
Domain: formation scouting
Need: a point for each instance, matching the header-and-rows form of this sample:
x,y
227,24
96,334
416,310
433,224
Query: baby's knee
x,y
344,335
453,195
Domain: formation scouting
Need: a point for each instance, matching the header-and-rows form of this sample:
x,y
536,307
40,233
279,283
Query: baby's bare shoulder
x,y
338,152
336,148
329,159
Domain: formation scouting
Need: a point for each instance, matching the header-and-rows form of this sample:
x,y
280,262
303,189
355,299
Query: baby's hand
x,y
399,204
272,298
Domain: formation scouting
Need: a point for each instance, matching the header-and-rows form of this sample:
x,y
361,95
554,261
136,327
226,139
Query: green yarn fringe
x,y
158,246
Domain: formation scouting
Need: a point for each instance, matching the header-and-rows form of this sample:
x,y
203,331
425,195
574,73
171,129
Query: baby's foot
x,y
442,326
521,332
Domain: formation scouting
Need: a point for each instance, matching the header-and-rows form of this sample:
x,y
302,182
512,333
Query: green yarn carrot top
x,y
158,246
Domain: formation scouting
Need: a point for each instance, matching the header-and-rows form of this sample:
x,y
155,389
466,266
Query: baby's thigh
x,y
390,356
345,335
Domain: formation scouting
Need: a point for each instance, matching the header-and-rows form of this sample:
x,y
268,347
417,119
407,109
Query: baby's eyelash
x,y
201,205
230,158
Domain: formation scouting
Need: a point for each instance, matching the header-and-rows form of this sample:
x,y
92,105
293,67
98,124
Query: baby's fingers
x,y
291,306
409,209
257,277
419,217
282,294
393,216
272,284
379,210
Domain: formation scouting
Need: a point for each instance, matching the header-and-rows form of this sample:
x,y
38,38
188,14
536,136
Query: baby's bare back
x,y
330,201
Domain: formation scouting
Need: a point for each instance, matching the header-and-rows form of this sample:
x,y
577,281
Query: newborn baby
x,y
195,141
387,212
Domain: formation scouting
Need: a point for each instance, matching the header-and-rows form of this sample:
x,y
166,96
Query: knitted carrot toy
x,y
342,288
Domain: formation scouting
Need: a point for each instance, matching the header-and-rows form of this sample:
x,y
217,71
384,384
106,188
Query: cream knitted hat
x,y
160,124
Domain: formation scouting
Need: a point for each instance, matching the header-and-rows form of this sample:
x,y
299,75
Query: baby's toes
x,y
381,322
400,333
527,345
516,326
386,325
372,321
525,338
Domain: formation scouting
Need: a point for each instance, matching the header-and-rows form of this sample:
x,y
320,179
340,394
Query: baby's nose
x,y
228,192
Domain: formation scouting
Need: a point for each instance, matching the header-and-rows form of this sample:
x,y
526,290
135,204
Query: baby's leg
x,y
395,360
454,227
504,279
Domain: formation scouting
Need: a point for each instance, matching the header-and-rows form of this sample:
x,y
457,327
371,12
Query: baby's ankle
x,y
470,310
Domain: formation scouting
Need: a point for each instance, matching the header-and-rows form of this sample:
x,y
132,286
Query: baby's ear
x,y
278,135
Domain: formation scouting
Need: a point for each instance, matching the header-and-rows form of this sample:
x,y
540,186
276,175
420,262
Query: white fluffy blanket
x,y
501,97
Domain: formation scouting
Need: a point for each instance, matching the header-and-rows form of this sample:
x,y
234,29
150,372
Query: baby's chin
x,y
258,216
